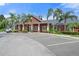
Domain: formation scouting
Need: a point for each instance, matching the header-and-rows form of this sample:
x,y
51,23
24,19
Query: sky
x,y
36,8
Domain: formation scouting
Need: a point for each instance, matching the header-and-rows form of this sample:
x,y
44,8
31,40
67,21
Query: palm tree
x,y
50,11
66,16
29,17
23,17
13,19
56,14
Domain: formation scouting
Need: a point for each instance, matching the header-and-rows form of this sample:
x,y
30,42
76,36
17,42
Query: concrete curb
x,y
66,36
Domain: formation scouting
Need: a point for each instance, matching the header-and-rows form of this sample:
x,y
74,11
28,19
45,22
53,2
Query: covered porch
x,y
34,27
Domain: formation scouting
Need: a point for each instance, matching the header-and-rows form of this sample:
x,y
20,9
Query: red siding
x,y
76,29
34,26
41,25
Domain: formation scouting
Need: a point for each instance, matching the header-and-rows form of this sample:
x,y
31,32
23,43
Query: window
x,y
44,28
35,28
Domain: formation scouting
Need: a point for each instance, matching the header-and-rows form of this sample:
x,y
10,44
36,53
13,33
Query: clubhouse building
x,y
36,24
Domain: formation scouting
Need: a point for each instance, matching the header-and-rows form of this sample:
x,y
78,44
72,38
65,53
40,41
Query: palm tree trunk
x,y
53,26
65,25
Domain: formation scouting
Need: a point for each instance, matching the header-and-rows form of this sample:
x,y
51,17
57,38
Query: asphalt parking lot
x,y
18,44
59,45
42,44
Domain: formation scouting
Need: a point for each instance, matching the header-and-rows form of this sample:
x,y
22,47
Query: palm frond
x,y
50,11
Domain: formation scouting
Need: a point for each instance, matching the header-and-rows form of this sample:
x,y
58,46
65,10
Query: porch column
x,y
48,27
22,27
38,27
31,27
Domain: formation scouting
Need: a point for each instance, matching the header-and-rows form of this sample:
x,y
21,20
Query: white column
x,y
48,27
23,27
31,27
38,27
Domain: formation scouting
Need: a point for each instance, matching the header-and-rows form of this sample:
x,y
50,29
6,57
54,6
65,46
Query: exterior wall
x,y
61,27
34,20
76,29
20,27
16,27
35,27
43,27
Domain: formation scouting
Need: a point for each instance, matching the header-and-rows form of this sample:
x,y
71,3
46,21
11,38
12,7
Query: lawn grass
x,y
73,34
1,30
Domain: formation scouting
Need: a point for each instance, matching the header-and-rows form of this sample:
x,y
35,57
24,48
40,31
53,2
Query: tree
x,y
3,22
72,25
50,11
29,17
56,14
23,17
66,16
2,17
13,19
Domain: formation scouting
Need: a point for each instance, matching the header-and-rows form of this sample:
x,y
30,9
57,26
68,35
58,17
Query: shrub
x,y
54,31
71,33
24,31
14,30
1,30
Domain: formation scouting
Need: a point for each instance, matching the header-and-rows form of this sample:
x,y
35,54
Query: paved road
x,y
38,44
18,44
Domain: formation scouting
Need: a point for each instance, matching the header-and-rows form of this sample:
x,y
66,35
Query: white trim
x,y
38,27
48,27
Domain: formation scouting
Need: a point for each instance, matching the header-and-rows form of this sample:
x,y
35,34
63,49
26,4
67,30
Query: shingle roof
x,y
53,21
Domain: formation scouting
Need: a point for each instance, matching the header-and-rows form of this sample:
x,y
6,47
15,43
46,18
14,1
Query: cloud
x,y
50,18
71,6
2,4
44,18
6,15
12,11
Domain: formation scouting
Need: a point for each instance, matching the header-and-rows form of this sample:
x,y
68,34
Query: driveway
x,y
41,44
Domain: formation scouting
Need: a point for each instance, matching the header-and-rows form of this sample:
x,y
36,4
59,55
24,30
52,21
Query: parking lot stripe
x,y
63,43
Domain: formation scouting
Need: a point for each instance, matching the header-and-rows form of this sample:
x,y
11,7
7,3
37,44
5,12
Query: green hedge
x,y
1,30
14,30
54,31
71,33
24,31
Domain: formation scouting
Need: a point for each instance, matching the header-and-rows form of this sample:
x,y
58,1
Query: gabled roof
x,y
37,18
